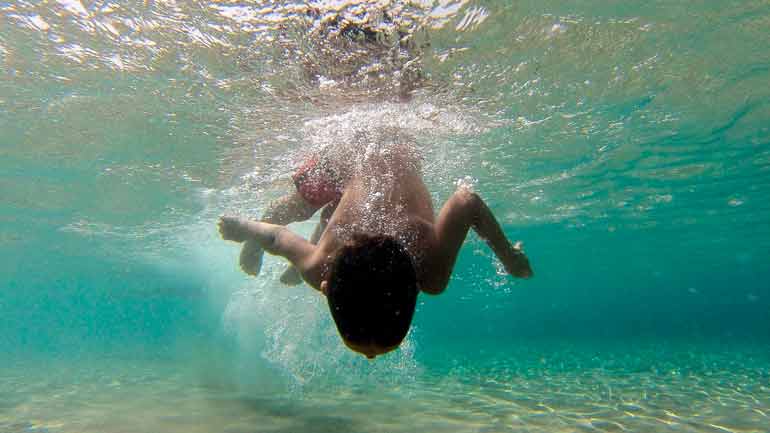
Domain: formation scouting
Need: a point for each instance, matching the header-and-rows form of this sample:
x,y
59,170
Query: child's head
x,y
372,291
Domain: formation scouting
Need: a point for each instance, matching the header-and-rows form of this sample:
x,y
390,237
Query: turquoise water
x,y
627,146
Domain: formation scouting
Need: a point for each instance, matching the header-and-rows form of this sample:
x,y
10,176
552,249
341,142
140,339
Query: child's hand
x,y
516,263
232,229
237,230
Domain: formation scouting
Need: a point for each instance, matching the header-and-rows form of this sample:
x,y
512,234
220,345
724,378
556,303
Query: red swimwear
x,y
316,184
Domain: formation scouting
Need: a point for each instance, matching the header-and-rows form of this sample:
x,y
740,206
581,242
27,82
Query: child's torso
x,y
384,194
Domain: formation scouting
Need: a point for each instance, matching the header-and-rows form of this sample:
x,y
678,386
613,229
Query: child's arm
x,y
288,209
274,239
462,211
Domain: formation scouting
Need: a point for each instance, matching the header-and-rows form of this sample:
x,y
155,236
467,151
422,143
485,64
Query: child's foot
x,y
251,257
233,229
291,276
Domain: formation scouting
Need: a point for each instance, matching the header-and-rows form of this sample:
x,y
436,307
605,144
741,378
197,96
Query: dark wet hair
x,y
372,291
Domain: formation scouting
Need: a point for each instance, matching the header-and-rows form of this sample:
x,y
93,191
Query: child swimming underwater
x,y
378,243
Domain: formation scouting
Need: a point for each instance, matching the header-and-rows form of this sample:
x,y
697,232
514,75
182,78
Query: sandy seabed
x,y
689,391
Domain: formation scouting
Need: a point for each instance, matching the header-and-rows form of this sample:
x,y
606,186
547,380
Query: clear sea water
x,y
626,143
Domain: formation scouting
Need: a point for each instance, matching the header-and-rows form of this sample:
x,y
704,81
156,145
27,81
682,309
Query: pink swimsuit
x,y
318,185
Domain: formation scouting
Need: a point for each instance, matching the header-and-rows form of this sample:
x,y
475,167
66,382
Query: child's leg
x,y
289,209
286,210
291,276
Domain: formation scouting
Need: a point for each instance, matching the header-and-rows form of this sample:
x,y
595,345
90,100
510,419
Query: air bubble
x,y
467,183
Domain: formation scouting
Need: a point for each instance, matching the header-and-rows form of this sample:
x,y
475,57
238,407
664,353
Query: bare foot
x,y
291,276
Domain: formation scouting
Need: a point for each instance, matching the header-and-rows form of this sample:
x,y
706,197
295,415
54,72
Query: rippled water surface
x,y
626,144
